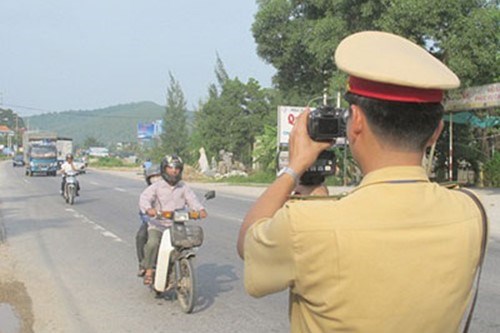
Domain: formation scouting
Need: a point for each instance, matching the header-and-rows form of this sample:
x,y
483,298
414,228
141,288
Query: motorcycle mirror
x,y
210,195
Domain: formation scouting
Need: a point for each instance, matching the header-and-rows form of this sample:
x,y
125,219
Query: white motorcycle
x,y
174,265
70,187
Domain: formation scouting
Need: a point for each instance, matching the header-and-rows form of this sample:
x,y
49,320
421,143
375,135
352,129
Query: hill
x,y
108,125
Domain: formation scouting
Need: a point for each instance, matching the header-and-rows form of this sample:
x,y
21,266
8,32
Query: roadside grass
x,y
255,178
262,178
111,162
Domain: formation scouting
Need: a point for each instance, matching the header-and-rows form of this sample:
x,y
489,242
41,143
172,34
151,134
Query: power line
x,y
74,113
26,107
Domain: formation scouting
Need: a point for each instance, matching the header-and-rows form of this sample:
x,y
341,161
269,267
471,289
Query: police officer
x,y
399,253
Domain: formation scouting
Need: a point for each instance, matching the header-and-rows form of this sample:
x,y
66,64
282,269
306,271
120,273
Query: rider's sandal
x,y
141,272
148,279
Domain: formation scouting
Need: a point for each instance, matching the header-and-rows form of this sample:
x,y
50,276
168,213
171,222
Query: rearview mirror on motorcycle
x,y
210,195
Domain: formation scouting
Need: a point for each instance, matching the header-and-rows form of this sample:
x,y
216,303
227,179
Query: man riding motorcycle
x,y
167,194
67,166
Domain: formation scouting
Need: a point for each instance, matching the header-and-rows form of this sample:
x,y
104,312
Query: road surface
x,y
72,268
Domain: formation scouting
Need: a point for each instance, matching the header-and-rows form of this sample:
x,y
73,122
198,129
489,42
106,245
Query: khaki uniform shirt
x,y
393,256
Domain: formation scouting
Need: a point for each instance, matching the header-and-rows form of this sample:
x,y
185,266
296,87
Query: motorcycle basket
x,y
186,236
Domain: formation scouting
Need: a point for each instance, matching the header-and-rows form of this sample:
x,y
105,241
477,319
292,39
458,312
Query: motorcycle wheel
x,y
71,195
186,285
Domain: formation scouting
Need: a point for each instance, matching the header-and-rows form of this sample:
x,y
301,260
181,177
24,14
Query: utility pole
x,y
17,131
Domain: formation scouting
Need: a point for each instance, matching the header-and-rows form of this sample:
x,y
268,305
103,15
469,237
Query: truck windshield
x,y
43,152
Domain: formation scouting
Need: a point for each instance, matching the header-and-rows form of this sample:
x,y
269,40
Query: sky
x,y
60,55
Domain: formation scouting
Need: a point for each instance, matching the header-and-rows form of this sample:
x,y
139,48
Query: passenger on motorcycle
x,y
153,174
146,165
167,194
66,167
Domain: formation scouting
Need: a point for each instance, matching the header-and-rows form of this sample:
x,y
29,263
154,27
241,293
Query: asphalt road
x,y
77,263
79,268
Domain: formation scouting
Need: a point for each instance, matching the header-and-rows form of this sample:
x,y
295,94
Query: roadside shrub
x,y
109,162
259,177
492,171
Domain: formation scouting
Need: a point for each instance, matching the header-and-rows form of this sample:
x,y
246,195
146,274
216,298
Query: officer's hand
x,y
303,151
203,213
151,212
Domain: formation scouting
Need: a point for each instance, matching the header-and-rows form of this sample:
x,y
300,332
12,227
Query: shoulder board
x,y
318,197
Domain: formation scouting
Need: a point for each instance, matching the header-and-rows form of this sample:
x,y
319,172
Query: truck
x,y
40,153
64,147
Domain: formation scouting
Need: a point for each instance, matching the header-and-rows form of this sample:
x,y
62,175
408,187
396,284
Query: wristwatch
x,y
291,172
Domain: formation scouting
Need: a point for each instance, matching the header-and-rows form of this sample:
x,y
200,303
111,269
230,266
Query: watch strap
x,y
291,172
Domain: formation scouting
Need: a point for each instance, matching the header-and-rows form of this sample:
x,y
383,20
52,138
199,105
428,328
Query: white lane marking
x,y
26,181
119,189
225,217
94,183
96,226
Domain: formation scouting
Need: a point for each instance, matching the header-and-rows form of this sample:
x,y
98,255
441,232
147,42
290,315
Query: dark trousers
x,y
64,183
140,240
151,248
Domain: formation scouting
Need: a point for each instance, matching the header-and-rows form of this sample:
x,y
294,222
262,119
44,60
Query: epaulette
x,y
450,185
319,197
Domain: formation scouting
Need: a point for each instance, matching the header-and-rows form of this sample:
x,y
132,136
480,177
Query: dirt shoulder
x,y
13,293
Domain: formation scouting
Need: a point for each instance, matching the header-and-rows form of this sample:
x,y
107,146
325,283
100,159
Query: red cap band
x,y
392,92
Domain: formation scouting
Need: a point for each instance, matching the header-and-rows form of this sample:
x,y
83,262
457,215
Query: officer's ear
x,y
356,121
436,134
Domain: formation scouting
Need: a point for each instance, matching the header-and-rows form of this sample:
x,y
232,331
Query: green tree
x,y
91,141
12,120
174,138
299,37
463,34
233,116
265,150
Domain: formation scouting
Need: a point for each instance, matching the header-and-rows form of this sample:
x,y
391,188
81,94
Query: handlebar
x,y
179,215
182,215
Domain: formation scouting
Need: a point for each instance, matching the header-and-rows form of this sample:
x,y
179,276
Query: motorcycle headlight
x,y
32,163
181,216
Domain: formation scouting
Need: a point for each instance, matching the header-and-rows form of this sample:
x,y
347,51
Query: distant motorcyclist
x,y
146,165
167,194
66,167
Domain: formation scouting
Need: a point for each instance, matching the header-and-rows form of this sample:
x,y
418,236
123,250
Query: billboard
x,y
474,98
148,131
286,120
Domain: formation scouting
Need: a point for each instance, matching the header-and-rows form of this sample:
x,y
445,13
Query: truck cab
x,y
41,159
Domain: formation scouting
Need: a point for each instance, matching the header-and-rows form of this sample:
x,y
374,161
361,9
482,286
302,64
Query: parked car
x,y
18,160
80,165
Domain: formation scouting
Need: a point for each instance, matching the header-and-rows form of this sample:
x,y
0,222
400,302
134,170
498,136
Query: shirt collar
x,y
397,174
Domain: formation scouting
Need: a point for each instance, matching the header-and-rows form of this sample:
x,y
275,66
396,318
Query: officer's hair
x,y
408,126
